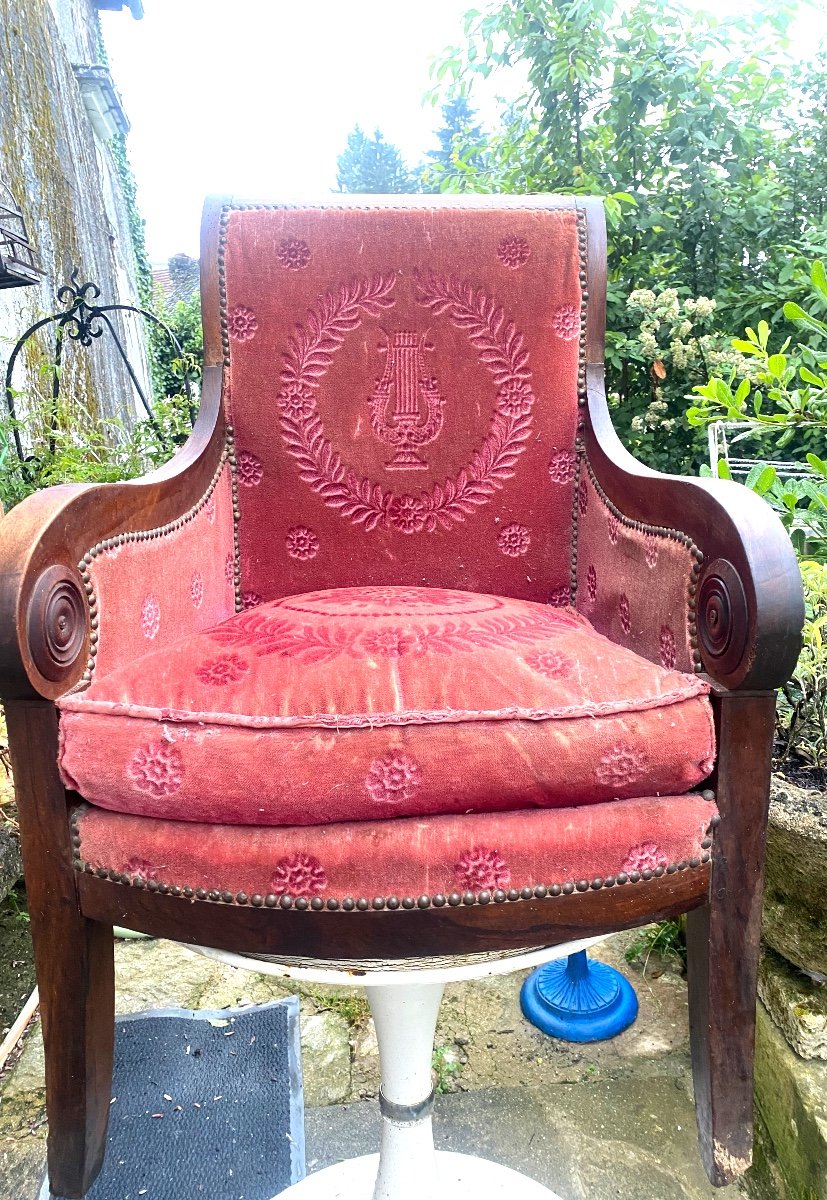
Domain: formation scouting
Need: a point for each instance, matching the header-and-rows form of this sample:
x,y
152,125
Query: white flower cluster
x,y
668,328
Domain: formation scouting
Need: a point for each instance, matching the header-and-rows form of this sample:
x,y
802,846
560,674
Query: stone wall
x,y
65,179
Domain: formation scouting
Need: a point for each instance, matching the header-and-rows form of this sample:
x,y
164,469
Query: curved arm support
x,y
750,608
46,626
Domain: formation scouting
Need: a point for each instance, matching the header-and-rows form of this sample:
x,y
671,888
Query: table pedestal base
x,y
457,1175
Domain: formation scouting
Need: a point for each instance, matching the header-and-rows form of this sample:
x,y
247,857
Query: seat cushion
x,y
365,703
559,850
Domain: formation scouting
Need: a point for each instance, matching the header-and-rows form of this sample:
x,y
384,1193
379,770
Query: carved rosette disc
x,y
723,618
57,623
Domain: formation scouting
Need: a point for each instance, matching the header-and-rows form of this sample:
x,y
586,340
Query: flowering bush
x,y
673,343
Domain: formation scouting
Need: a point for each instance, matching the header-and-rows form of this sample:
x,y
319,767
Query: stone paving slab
x,y
628,1101
595,1141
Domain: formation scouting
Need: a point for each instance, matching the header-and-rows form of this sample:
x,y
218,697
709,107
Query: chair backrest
x,y
402,383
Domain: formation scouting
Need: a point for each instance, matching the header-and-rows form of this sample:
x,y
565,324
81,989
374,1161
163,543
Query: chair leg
x,y
74,960
723,938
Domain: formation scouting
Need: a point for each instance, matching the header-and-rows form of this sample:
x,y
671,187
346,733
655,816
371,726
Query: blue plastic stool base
x,y
578,999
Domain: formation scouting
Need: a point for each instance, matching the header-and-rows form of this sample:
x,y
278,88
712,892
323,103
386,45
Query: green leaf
x,y
819,276
794,312
723,392
723,469
743,392
818,465
764,481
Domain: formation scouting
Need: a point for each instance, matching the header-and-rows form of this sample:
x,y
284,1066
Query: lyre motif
x,y
405,385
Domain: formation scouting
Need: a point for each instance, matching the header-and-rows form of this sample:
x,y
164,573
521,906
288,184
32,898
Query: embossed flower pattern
x,y
562,466
299,875
197,589
301,543
394,777
591,584
407,514
566,322
582,497
613,528
157,768
668,648
218,672
211,512
622,765
250,470
514,540
513,251
242,323
294,254
651,543
250,600
560,596
296,400
515,398
552,663
391,643
645,857
229,568
481,868
150,617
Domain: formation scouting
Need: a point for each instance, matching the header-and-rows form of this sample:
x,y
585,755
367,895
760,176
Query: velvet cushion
x,y
403,387
361,703
629,839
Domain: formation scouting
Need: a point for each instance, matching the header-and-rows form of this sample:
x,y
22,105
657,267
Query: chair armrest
x,y
60,550
744,603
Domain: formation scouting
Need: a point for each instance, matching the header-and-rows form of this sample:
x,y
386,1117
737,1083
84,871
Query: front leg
x,y
723,937
73,958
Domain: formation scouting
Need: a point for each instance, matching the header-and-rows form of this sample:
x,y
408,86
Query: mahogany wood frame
x,y
748,618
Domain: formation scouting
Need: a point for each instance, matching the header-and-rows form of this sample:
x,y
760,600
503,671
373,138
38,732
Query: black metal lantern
x,y
17,262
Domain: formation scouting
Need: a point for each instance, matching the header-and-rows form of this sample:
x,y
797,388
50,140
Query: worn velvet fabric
x,y
633,580
407,857
360,703
152,590
403,389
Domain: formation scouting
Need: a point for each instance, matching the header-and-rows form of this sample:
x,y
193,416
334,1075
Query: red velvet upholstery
x,y
152,589
368,702
403,389
413,857
633,581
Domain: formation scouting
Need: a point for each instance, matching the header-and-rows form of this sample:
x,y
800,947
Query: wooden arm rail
x,y
46,626
749,604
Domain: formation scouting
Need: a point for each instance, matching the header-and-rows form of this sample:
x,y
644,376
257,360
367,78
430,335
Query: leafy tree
x,y
460,134
373,165
184,319
709,144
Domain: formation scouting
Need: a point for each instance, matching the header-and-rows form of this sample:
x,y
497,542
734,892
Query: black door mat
x,y
205,1106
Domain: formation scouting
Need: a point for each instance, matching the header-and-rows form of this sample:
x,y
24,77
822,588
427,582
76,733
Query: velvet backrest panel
x,y
402,387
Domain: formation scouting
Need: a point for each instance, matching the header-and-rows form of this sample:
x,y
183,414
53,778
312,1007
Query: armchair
x,y
403,655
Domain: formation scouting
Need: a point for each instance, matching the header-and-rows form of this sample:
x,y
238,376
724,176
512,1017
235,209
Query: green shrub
x,y
802,702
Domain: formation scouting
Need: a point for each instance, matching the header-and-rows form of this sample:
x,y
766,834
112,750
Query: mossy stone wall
x,y
66,182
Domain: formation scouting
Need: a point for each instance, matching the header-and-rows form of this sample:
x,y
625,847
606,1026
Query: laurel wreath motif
x,y
309,353
272,633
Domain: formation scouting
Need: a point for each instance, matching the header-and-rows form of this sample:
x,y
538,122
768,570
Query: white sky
x,y
257,97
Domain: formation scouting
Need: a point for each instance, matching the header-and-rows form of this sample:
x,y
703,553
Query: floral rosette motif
x,y
310,352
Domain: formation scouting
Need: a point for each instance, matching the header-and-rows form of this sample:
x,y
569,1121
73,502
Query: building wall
x,y
66,181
